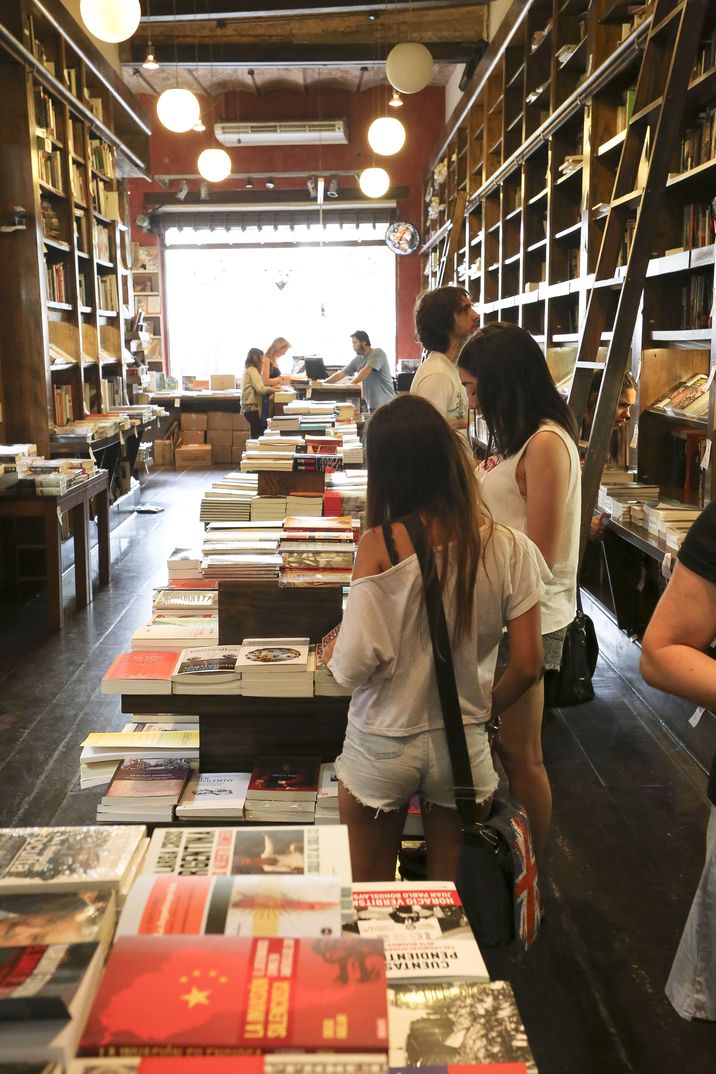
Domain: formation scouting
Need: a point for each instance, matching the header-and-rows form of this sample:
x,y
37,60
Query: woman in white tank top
x,y
533,485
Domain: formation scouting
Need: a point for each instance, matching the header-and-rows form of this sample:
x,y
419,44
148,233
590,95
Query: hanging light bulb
x,y
110,20
409,67
374,182
150,64
386,135
178,109
214,165
396,101
199,125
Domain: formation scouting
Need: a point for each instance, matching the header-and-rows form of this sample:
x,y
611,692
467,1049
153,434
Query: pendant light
x,y
110,20
150,63
409,67
386,135
178,109
374,182
396,100
214,164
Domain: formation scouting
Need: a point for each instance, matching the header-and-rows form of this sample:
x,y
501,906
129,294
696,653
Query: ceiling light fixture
x,y
386,135
214,164
270,184
199,125
374,182
150,64
396,101
183,190
409,67
204,191
249,183
178,109
332,191
311,184
111,20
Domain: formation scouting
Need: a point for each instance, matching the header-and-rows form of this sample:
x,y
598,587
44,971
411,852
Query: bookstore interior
x,y
385,191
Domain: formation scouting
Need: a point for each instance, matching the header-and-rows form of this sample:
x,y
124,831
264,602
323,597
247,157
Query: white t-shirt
x,y
438,381
383,652
503,499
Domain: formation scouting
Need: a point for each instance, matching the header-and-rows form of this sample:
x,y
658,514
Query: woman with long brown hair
x,y
395,744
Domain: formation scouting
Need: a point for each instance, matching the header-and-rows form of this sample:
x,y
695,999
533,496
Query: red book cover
x,y
200,995
140,666
189,583
284,777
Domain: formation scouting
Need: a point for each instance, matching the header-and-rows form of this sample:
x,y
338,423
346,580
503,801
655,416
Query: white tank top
x,y
507,505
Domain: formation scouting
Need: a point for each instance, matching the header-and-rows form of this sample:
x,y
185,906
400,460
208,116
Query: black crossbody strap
x,y
445,672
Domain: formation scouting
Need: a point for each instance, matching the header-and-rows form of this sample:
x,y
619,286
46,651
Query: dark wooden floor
x,y
626,847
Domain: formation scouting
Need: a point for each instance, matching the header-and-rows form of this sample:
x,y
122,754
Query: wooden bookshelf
x,y
545,125
78,134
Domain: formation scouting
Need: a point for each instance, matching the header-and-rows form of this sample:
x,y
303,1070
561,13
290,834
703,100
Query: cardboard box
x,y
194,422
239,422
190,436
239,439
221,453
219,382
219,437
236,453
164,452
219,419
194,456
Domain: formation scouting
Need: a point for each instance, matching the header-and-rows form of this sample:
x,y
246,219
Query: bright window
x,y
221,302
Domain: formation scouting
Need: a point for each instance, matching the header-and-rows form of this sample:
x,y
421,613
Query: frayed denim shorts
x,y
383,772
552,645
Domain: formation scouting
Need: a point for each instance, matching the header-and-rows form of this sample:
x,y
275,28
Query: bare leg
x,y
374,837
443,837
519,747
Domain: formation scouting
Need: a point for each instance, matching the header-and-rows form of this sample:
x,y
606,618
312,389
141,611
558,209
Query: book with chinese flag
x,y
328,1063
171,995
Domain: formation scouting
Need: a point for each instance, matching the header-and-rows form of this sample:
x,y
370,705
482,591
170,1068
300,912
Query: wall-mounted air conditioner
x,y
288,132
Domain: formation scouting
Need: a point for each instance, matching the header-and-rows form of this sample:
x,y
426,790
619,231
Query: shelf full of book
x,y
148,305
67,304
544,130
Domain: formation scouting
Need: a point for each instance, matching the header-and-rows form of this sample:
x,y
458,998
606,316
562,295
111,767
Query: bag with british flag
x,y
497,873
497,877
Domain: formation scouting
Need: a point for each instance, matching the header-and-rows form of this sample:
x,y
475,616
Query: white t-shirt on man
x,y
438,381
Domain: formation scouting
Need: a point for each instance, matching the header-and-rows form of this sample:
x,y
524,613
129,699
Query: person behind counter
x,y
369,368
253,391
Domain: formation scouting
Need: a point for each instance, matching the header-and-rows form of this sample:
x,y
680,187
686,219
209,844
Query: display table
x,y
76,503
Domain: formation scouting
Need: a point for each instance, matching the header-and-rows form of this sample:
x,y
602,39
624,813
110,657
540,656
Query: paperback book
x,y
69,858
214,795
140,673
38,981
326,1063
56,917
284,778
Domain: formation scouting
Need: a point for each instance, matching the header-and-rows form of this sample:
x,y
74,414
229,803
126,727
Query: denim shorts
x,y
383,772
552,645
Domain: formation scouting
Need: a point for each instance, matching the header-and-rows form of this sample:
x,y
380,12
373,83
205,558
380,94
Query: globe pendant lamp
x,y
178,109
386,136
409,67
214,164
110,20
374,182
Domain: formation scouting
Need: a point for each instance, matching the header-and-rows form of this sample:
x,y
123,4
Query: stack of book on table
x,y
167,631
144,791
184,564
247,566
283,789
207,670
327,799
185,601
276,667
670,522
214,796
102,751
268,508
623,498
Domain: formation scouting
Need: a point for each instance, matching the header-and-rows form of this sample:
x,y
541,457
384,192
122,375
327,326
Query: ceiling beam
x,y
167,10
285,55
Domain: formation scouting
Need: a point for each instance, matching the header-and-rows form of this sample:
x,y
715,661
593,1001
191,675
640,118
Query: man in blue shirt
x,y
369,368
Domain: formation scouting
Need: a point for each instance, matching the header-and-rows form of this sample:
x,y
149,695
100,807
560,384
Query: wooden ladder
x,y
452,240
653,129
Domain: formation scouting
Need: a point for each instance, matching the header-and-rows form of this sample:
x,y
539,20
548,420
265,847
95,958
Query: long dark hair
x,y
618,441
416,463
435,316
515,390
254,358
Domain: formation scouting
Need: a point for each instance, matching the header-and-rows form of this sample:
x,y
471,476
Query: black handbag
x,y
571,684
497,873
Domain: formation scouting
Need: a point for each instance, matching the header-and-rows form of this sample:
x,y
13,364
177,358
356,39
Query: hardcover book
x,y
205,994
68,858
233,906
424,928
140,672
287,778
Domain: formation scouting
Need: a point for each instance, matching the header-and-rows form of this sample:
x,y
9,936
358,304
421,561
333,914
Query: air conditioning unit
x,y
288,132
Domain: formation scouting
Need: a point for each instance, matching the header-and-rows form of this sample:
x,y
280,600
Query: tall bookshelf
x,y
76,134
536,151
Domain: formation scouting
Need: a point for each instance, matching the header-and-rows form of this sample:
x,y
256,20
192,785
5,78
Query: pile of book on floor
x,y
277,667
283,790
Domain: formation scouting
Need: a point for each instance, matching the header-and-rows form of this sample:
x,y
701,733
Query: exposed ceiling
x,y
215,46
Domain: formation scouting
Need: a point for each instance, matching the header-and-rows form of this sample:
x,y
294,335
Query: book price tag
x,y
666,565
695,719
635,438
177,402
707,456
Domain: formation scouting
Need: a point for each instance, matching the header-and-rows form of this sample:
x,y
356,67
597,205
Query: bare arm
x,y
335,377
526,660
362,374
546,483
683,625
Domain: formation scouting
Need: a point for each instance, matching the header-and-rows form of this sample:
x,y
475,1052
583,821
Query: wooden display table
x,y
51,508
264,609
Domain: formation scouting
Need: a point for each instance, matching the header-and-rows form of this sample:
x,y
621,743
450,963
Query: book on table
x,y
293,1063
263,655
174,995
140,673
214,794
70,858
144,789
278,905
424,928
149,745
39,981
279,812
57,917
284,778
207,665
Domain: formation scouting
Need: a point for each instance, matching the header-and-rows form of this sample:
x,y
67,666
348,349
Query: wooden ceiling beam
x,y
256,55
186,10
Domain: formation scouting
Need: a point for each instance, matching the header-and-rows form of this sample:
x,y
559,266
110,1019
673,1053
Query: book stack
x,y
305,504
229,505
207,670
184,563
276,667
318,550
185,601
140,673
690,397
283,790
267,508
615,497
214,796
97,771
167,632
327,799
670,522
281,905
103,747
145,791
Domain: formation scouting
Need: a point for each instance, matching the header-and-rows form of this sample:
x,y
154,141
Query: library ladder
x,y
452,240
652,134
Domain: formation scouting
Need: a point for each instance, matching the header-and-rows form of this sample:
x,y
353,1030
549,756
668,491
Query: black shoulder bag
x,y
571,683
497,872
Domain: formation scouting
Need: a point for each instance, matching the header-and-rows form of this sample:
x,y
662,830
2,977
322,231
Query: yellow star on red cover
x,y
197,996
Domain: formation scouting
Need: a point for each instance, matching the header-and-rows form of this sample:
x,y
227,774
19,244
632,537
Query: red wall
x,y
422,115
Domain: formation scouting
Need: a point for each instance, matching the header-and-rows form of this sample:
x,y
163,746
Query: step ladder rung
x,y
589,365
645,112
